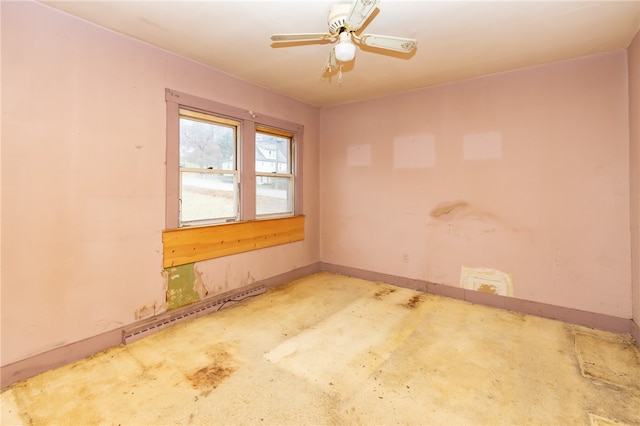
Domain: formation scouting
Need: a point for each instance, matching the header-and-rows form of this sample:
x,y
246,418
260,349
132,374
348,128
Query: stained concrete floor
x,y
328,349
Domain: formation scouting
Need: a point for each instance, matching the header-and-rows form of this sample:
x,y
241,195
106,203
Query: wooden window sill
x,y
189,245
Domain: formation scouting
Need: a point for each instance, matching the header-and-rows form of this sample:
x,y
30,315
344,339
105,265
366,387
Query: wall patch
x,y
486,280
181,286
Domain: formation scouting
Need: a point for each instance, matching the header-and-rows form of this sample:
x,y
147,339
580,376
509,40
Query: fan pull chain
x,y
340,74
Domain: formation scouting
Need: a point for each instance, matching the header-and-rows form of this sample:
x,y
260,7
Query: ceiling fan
x,y
344,22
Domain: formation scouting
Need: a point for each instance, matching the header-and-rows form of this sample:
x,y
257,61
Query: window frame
x,y
291,174
249,121
221,121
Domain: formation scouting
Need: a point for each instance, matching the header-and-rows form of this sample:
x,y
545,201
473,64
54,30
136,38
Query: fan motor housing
x,y
337,17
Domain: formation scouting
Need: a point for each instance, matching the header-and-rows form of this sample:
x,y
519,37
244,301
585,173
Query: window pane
x,y
207,145
273,153
273,195
208,196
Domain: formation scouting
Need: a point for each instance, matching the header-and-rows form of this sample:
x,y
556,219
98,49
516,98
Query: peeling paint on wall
x,y
181,286
486,280
199,285
146,311
249,280
165,287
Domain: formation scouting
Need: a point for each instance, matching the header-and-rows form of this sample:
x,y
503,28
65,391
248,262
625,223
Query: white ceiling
x,y
456,39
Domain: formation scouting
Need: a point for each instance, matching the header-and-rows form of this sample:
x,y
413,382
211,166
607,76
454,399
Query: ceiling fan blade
x,y
399,44
359,13
302,37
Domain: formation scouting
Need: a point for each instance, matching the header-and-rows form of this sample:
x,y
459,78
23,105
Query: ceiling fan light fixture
x,y
344,22
345,50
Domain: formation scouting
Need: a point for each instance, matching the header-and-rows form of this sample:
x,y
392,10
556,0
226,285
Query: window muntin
x,y
209,190
274,172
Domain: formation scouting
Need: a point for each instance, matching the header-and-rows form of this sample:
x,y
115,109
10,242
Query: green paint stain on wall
x,y
180,288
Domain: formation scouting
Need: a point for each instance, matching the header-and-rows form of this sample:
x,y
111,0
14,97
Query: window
x,y
225,164
208,168
274,173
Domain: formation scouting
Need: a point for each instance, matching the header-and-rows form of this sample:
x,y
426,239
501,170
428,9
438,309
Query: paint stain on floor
x,y
384,291
209,377
414,301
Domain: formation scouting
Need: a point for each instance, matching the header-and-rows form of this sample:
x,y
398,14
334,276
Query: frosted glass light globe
x,y
345,50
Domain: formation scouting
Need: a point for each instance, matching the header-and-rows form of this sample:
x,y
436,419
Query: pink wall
x,y
83,188
533,165
634,156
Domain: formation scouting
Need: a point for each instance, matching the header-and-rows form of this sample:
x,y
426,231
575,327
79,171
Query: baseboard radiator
x,y
147,327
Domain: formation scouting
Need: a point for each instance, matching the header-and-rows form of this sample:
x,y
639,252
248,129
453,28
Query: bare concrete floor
x,y
328,349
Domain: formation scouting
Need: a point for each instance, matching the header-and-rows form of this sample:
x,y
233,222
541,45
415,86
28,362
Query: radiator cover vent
x,y
214,304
